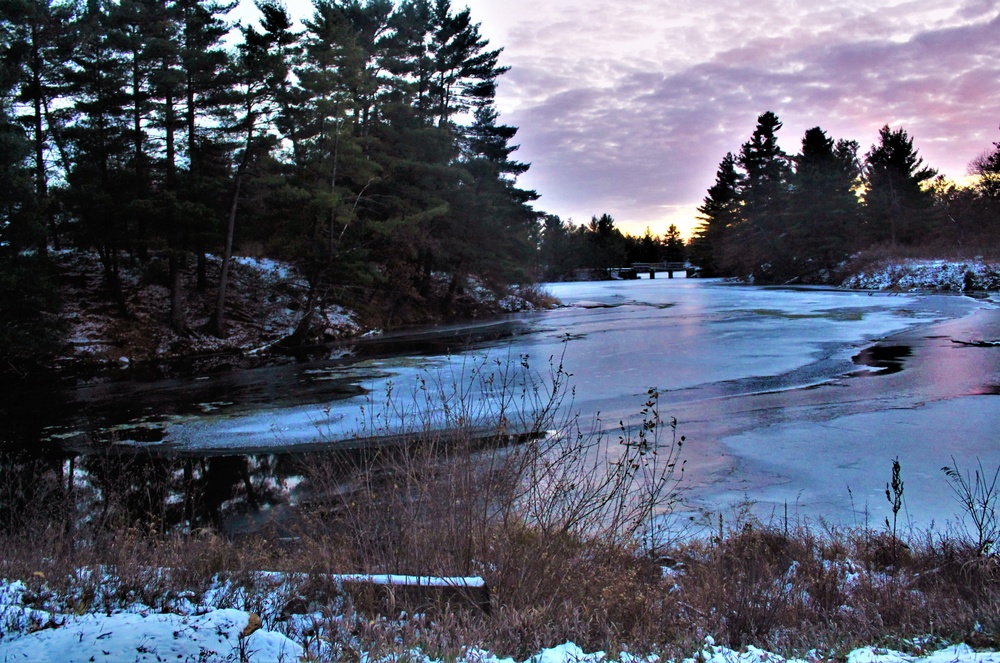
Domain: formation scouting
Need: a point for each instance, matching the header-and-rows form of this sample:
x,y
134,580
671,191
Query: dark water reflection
x,y
61,451
123,487
887,359
138,409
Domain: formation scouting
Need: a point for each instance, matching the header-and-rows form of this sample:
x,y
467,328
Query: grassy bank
x,y
789,591
565,526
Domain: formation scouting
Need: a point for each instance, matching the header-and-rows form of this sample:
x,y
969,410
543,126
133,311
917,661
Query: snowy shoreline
x,y
921,275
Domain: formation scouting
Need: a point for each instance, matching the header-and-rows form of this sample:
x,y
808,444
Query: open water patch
x,y
835,314
590,304
885,359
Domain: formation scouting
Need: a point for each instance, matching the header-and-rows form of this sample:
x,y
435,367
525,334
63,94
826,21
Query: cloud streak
x,y
628,107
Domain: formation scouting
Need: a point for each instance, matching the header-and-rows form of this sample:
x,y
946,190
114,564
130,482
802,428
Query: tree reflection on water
x,y
122,487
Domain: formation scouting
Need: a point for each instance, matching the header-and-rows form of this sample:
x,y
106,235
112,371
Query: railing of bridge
x,y
651,268
661,266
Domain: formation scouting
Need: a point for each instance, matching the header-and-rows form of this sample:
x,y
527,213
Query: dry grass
x,y
789,592
559,525
830,590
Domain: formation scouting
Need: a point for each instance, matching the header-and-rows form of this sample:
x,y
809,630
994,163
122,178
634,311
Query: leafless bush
x,y
977,494
492,448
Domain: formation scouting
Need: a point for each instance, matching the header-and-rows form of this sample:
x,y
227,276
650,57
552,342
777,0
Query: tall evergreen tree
x,y
203,62
897,206
141,31
756,245
823,211
42,44
463,72
555,250
28,333
97,83
260,70
721,211
336,87
767,169
493,223
673,245
18,227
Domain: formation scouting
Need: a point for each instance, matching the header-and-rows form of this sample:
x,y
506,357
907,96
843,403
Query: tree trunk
x,y
178,321
227,256
305,323
41,180
202,283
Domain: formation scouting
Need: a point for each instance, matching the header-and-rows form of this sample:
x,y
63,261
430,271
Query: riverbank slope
x,y
266,303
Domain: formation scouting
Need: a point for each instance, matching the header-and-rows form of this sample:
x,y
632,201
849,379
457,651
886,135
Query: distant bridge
x,y
652,268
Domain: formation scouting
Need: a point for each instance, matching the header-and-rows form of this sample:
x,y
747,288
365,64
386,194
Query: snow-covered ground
x,y
264,304
200,632
952,276
192,633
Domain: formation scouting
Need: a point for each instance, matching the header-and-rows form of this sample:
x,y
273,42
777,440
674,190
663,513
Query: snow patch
x,y
203,632
136,634
909,275
279,271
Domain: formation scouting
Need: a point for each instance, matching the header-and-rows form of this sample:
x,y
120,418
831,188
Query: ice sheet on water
x,y
668,334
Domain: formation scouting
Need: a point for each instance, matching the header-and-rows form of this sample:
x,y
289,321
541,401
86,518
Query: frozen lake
x,y
787,397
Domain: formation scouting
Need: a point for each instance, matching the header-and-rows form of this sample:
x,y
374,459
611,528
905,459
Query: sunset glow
x,y
626,108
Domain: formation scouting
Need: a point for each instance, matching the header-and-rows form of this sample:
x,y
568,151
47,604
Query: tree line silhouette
x,y
774,217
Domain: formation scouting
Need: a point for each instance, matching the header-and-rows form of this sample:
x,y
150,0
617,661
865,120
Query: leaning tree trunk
x,y
227,257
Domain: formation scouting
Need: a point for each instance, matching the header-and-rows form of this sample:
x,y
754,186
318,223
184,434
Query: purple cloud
x,y
628,107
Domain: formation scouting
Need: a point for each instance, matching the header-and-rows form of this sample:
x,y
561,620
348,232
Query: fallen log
x,y
388,591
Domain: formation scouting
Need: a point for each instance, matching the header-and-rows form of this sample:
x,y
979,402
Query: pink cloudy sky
x,y
627,107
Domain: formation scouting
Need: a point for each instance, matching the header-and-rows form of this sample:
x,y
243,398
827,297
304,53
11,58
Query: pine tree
x,y
259,71
18,227
41,45
823,212
721,212
897,207
673,245
203,61
463,72
556,249
767,169
492,221
140,28
756,246
97,84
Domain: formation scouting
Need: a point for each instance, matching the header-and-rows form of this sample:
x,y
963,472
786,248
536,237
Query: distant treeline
x,y
366,148
775,217
566,249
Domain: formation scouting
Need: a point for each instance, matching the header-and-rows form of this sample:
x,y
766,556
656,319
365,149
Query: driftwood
x,y
978,344
425,590
389,591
